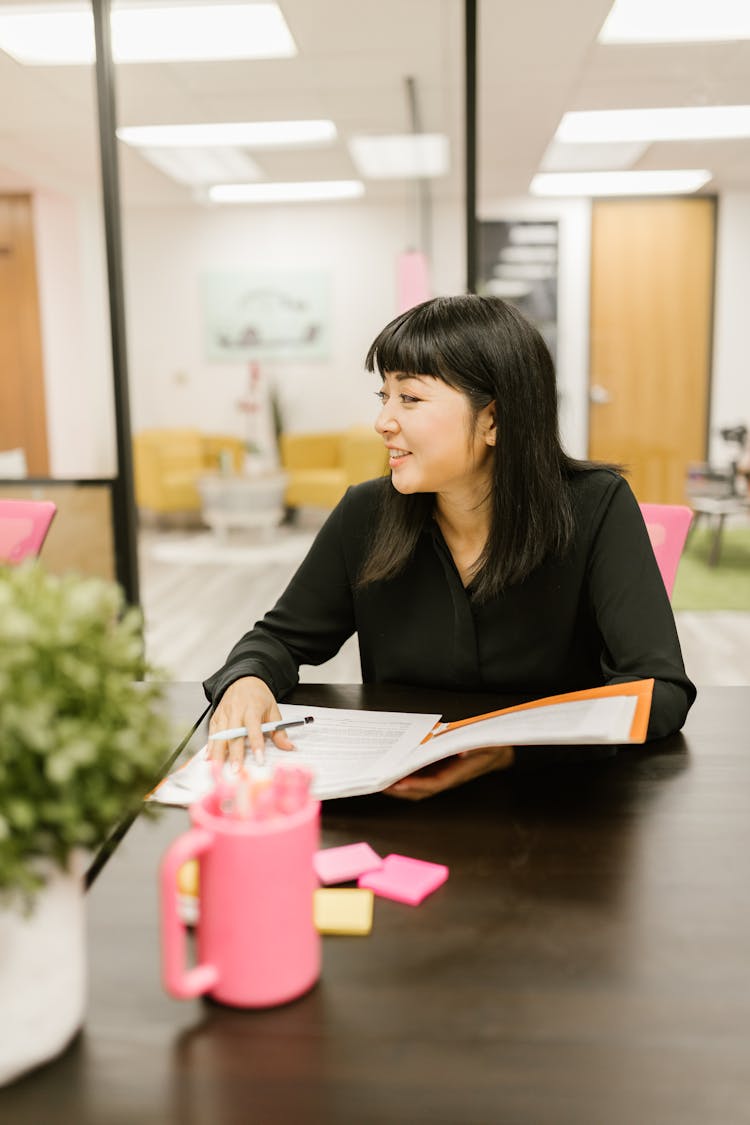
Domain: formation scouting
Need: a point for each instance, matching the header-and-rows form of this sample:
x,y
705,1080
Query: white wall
x,y
166,253
71,282
730,391
172,383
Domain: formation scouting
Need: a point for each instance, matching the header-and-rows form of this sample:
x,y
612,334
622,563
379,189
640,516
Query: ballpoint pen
x,y
267,728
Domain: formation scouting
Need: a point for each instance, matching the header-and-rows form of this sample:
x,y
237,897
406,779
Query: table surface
x,y
588,959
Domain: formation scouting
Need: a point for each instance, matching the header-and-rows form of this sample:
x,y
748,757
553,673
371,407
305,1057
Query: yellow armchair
x,y
321,466
168,462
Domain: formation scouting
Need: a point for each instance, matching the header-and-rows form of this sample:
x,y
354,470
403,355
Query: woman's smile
x,y
396,456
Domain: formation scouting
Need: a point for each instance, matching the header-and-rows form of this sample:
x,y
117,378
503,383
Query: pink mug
x,y
257,943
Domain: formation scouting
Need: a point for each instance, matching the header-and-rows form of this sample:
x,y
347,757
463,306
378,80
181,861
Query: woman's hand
x,y
247,702
450,772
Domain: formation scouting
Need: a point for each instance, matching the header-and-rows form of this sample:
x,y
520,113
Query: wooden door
x,y
651,315
23,419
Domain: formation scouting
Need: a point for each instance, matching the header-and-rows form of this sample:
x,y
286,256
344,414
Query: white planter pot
x,y
42,974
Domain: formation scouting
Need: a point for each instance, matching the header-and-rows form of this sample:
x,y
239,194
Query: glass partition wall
x,y
242,318
268,203
281,202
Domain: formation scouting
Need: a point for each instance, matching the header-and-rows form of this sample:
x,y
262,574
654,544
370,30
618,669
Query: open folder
x,y
350,753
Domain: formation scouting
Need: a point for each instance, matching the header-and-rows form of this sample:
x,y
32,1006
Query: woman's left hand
x,y
450,772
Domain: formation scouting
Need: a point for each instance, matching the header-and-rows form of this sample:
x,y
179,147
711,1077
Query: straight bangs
x,y
409,344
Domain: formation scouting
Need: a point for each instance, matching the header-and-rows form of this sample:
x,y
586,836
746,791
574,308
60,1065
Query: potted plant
x,y
81,742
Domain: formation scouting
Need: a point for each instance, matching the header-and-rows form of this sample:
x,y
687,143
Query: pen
x,y
267,728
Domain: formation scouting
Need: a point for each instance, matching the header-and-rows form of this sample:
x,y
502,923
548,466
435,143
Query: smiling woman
x,y
490,560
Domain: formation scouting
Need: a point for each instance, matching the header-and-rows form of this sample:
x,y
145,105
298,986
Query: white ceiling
x,y
537,59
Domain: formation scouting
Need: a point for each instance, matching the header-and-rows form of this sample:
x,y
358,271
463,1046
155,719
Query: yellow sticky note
x,y
188,878
337,911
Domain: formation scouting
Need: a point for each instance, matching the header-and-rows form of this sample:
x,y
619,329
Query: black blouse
x,y
599,615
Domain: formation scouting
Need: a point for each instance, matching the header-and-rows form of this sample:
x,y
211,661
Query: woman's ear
x,y
488,421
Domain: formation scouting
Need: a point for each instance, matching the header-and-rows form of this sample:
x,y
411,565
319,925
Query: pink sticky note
x,y
404,879
339,865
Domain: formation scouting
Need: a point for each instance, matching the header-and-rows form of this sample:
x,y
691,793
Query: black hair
x,y
485,348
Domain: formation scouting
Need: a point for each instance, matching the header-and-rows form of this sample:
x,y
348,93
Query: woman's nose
x,y
385,422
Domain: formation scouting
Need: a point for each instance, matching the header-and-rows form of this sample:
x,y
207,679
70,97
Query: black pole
x,y
124,524
470,69
422,184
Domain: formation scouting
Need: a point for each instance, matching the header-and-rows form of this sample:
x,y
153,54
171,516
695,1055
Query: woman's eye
x,y
383,396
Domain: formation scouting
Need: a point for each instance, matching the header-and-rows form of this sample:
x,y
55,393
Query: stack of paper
x,y
351,753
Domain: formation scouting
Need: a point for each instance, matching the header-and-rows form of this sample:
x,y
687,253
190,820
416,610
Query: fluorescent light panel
x,y
520,271
303,191
202,165
525,254
681,123
619,183
509,289
47,36
241,134
673,21
401,156
533,234
565,157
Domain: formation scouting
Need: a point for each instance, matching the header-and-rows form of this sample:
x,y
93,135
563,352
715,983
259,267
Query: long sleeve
x,y
308,624
632,612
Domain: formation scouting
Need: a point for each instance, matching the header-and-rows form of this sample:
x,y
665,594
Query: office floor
x,y
200,595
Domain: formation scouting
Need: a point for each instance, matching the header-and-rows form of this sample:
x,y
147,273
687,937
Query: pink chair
x,y
23,528
667,526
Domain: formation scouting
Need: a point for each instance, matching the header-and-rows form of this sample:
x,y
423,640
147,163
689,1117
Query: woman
x,y
489,561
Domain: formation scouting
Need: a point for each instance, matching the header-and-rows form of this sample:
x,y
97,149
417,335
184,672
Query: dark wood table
x,y
588,959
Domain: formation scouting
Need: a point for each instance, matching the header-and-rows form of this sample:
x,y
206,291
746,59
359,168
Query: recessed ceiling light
x,y
679,123
242,134
303,191
401,156
202,165
673,21
674,182
46,36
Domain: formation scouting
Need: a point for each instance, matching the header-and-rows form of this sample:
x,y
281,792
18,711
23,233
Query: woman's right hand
x,y
247,702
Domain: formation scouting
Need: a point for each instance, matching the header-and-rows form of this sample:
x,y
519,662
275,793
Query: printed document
x,y
351,752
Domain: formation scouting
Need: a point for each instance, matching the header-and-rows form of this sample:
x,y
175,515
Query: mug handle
x,y
185,984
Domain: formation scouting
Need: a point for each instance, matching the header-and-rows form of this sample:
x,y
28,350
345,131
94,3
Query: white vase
x,y
42,973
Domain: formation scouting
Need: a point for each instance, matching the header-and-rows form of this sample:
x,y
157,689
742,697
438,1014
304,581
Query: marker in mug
x,y
290,788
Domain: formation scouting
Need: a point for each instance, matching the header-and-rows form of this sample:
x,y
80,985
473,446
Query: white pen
x,y
267,728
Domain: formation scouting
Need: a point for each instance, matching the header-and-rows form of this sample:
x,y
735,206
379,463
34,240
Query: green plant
x,y
81,740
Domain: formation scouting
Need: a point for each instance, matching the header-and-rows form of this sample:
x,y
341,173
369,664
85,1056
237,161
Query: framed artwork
x,y
518,262
266,315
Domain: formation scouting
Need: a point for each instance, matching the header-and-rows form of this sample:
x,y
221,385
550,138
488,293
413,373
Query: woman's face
x,y
426,426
